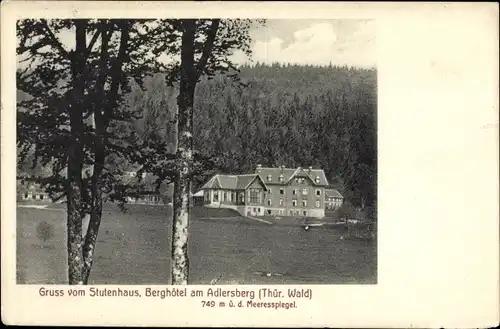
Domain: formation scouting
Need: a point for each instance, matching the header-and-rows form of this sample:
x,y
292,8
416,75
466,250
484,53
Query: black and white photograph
x,y
249,164
196,151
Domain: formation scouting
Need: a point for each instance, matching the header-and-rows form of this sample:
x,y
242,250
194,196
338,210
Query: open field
x,y
134,248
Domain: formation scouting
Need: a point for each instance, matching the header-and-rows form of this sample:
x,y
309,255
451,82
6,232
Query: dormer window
x,y
269,178
317,179
282,178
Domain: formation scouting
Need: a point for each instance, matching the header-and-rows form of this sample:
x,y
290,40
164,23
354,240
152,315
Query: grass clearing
x,y
134,248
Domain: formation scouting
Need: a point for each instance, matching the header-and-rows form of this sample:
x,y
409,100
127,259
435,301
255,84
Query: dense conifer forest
x,y
291,115
273,115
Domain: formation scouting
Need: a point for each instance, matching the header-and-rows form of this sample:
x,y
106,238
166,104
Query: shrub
x,y
44,231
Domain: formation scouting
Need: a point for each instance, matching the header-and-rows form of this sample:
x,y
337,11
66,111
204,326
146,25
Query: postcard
x,y
250,164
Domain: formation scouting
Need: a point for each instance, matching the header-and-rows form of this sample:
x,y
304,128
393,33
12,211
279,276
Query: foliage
x,y
45,84
44,231
347,211
290,115
72,121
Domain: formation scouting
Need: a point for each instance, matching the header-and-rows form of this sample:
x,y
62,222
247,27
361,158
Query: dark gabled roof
x,y
290,173
232,182
332,193
244,181
212,183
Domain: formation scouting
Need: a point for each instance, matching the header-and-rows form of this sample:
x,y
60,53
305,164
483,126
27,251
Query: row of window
x,y
145,199
33,196
292,212
304,191
298,180
254,196
294,203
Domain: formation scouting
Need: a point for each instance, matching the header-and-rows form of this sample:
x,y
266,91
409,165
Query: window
x,y
281,202
282,191
296,180
291,212
318,192
282,178
254,196
225,196
304,213
242,197
294,192
25,195
269,191
294,203
317,179
268,202
269,178
305,191
269,212
254,209
207,196
317,204
304,203
216,196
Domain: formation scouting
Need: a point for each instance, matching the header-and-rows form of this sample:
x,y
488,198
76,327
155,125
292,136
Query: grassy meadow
x,y
134,248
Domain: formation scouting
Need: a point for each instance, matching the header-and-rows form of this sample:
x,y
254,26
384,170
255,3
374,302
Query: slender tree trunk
x,y
99,158
102,122
363,202
75,160
182,183
96,212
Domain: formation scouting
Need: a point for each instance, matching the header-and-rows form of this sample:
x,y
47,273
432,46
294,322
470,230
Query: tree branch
x,y
54,40
207,48
94,39
116,70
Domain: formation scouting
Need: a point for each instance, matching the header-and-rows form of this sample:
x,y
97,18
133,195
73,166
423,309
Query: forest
x,y
273,115
319,116
89,115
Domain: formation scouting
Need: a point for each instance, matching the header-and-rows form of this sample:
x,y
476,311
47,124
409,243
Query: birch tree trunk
x,y
75,159
182,183
99,158
101,125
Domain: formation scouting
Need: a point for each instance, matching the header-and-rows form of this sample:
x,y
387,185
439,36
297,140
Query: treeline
x,y
274,115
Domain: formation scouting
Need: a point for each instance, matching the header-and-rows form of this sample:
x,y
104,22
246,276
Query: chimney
x,y
259,167
310,169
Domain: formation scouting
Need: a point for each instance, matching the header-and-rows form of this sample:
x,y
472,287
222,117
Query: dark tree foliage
x,y
71,119
290,115
88,115
200,48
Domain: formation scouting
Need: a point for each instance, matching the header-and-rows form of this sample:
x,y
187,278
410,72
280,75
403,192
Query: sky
x,y
318,42
301,41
